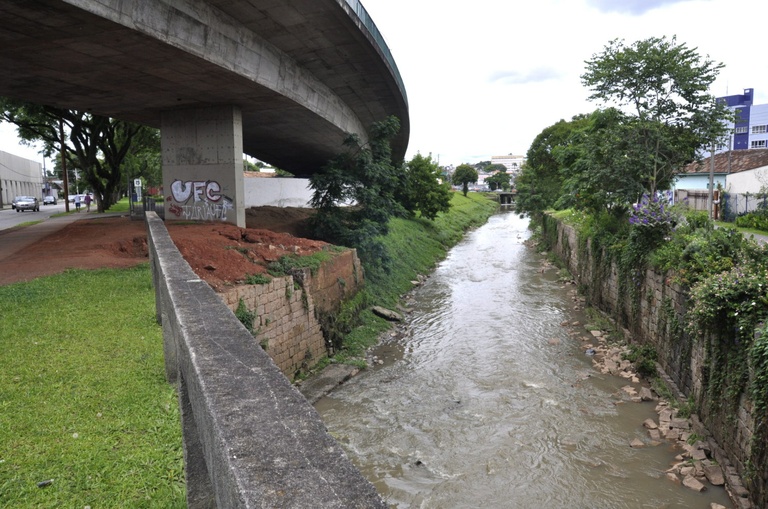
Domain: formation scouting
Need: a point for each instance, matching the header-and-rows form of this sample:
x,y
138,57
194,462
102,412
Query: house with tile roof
x,y
741,174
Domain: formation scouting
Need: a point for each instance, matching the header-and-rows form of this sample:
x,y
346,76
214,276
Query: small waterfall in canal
x,y
488,402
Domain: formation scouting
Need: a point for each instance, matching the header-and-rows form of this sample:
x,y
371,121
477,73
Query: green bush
x,y
257,279
644,358
289,263
757,220
697,250
245,316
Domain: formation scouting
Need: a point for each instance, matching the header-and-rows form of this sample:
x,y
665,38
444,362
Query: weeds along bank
x,y
697,302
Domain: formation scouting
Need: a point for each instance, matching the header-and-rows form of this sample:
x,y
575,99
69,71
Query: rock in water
x,y
387,314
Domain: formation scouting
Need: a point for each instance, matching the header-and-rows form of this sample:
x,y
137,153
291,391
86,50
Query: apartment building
x,y
750,131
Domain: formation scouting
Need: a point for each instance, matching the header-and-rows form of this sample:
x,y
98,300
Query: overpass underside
x,y
282,81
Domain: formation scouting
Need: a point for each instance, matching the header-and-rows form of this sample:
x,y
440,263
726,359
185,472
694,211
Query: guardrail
x,y
250,438
368,23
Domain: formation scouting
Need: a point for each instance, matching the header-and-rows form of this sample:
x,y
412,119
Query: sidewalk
x,y
14,240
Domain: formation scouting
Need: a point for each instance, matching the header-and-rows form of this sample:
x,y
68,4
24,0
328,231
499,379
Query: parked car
x,y
27,203
49,200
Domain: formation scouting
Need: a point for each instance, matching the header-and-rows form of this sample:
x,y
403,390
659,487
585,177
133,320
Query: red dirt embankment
x,y
220,253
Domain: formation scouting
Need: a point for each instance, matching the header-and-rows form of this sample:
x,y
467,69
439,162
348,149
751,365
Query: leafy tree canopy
x,y
499,180
95,145
463,176
421,190
496,167
540,182
482,165
365,177
662,87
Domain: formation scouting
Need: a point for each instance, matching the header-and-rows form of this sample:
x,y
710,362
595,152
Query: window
x,y
758,129
741,130
757,144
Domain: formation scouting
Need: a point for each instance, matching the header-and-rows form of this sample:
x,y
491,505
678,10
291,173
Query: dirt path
x,y
220,253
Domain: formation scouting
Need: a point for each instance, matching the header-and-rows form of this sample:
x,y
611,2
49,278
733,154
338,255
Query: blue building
x,y
750,130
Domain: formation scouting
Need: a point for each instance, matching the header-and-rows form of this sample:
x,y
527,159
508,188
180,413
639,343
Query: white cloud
x,y
484,78
631,7
522,77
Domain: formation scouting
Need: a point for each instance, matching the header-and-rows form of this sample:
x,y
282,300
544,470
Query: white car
x,y
27,203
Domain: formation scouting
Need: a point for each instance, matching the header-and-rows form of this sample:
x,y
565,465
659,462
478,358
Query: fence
x,y
736,204
727,206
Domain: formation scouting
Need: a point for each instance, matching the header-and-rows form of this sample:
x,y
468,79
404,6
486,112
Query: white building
x,y
512,162
19,176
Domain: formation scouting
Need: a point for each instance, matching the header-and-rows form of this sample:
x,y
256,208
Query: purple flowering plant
x,y
654,216
653,212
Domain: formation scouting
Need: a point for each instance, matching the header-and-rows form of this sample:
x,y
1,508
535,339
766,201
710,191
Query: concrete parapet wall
x,y
660,309
250,438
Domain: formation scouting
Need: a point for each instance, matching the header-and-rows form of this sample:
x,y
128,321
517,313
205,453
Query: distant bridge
x,y
283,81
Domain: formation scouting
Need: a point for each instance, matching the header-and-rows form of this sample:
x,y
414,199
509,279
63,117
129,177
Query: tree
x,y
663,88
482,165
365,176
496,167
540,182
421,189
143,159
499,180
598,166
96,145
463,175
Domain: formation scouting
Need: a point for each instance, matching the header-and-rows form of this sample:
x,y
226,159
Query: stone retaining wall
x,y
250,438
659,312
286,309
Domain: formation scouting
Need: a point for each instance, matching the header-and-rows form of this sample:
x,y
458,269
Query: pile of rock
x,y
693,466
701,462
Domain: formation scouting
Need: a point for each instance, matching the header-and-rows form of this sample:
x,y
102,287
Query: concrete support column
x,y
203,164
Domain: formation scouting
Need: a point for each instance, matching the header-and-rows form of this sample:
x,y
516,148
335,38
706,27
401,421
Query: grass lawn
x,y
86,416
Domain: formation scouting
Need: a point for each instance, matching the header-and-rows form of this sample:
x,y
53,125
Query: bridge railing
x,y
250,438
368,23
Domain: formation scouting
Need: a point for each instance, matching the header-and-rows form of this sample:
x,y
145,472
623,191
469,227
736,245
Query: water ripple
x,y
493,404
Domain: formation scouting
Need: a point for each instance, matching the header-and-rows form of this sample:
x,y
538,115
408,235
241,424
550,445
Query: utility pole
x,y
710,200
64,166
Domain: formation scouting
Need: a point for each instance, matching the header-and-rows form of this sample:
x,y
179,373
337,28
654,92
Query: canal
x,y
488,401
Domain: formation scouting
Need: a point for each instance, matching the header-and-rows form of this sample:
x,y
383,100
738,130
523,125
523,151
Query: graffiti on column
x,y
198,200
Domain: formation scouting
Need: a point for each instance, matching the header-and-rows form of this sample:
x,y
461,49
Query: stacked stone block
x,y
681,358
286,309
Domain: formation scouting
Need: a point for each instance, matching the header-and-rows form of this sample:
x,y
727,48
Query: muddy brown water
x,y
487,401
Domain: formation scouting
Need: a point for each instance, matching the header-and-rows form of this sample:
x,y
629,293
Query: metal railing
x,y
368,23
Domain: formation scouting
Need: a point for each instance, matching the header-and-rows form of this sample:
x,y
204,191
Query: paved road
x,y
10,218
13,239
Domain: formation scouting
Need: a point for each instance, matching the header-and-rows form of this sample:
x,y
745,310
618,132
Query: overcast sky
x,y
484,77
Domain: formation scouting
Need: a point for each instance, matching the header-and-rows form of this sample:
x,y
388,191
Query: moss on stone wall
x,y
707,334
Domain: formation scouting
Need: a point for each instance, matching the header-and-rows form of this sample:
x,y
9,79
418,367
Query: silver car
x,y
27,203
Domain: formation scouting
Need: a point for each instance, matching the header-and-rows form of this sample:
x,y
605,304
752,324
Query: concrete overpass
x,y
281,80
